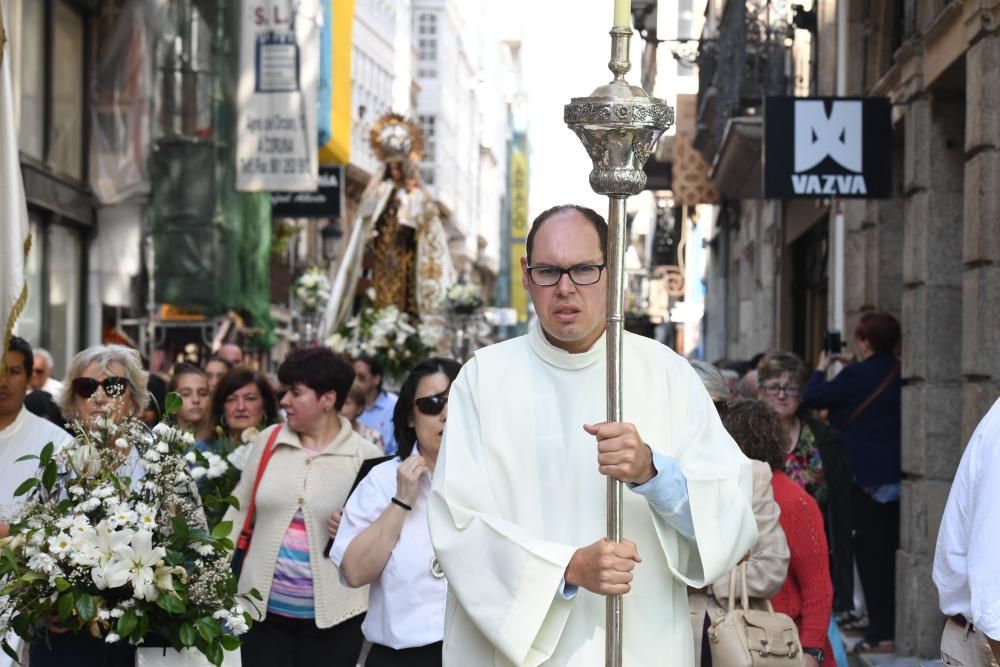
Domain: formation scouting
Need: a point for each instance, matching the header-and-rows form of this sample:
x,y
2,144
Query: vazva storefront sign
x,y
827,147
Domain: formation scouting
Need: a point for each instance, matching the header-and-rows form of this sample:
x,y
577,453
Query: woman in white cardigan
x,y
307,617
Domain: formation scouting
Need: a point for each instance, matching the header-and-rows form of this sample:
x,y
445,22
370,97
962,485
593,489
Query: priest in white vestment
x,y
517,508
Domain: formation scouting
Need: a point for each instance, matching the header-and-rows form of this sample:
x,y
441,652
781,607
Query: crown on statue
x,y
394,137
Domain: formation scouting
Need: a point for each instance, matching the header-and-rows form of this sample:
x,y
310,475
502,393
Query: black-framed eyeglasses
x,y
432,405
791,390
113,386
581,274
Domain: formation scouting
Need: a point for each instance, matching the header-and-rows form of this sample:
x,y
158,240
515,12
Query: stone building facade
x,y
930,254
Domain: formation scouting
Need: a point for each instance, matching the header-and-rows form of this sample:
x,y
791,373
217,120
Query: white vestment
x,y
516,491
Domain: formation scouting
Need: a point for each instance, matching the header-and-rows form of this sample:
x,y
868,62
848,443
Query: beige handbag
x,y
748,637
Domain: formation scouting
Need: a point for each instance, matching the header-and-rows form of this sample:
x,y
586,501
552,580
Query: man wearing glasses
x,y
517,509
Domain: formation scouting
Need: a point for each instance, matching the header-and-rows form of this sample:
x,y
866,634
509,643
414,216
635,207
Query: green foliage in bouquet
x,y
112,543
217,466
390,336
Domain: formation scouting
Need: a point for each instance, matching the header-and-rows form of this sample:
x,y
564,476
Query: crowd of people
x,y
489,550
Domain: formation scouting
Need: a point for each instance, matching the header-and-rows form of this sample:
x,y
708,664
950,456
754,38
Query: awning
x,y
736,167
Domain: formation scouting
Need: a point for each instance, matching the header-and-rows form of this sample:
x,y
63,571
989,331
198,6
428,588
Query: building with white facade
x,y
463,113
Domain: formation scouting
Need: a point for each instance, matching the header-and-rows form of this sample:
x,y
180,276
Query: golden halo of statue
x,y
395,137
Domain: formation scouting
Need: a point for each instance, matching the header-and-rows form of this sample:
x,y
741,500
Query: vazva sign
x,y
827,147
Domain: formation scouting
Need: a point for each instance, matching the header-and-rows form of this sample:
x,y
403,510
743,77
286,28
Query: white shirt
x,y
27,434
967,558
406,603
516,491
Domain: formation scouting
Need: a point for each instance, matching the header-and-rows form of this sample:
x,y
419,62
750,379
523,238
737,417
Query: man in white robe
x,y
517,509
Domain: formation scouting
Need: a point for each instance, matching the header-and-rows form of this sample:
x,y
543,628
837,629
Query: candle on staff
x,y
623,13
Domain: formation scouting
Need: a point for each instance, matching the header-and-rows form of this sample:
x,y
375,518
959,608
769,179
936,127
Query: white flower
x,y
90,504
64,522
59,545
104,491
76,490
221,614
238,457
117,612
43,563
191,457
204,549
198,472
188,438
238,624
151,455
162,447
122,516
146,520
163,431
103,614
112,637
121,443
136,561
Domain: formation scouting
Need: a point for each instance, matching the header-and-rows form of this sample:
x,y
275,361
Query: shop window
x,y
31,78
64,307
66,131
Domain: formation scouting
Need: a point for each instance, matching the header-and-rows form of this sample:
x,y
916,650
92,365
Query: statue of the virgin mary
x,y
397,245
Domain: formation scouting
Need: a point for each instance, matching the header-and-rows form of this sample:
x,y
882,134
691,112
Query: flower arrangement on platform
x,y
465,298
387,334
111,543
312,290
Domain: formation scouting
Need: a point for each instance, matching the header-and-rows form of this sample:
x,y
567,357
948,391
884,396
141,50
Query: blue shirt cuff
x,y
567,591
667,494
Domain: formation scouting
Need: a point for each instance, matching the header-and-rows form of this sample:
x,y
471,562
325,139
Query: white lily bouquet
x,y
465,298
312,290
111,544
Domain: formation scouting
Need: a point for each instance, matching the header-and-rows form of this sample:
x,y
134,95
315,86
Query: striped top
x,y
292,585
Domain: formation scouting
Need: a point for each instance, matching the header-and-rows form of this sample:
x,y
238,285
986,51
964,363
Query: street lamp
x,y
330,237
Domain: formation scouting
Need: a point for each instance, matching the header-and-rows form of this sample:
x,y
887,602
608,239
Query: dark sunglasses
x,y
432,405
113,386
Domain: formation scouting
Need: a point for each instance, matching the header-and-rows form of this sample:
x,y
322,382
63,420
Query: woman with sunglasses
x,y
105,380
384,539
767,562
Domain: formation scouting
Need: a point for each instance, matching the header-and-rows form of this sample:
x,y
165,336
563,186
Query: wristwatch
x,y
814,652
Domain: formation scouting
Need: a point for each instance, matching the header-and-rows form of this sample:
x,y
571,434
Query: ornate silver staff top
x,y
619,126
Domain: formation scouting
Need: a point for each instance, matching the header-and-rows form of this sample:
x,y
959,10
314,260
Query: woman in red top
x,y
807,595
